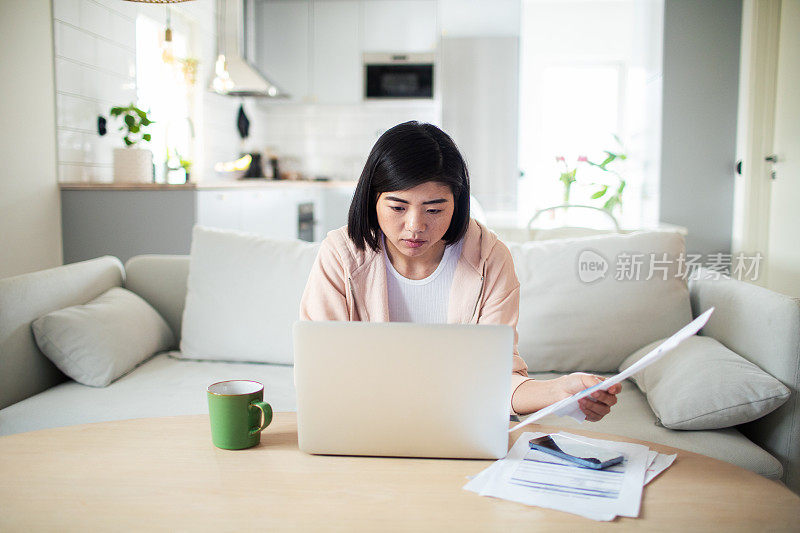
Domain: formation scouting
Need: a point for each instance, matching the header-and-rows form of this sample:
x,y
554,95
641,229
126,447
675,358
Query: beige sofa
x,y
758,324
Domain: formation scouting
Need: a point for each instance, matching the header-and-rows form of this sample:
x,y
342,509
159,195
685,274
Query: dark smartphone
x,y
576,451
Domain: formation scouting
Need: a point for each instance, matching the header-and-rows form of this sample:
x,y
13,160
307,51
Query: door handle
x,y
772,158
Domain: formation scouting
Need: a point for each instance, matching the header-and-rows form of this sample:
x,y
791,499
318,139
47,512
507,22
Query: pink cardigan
x,y
348,284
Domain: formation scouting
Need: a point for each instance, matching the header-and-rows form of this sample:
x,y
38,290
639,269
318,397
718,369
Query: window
x,y
589,75
165,79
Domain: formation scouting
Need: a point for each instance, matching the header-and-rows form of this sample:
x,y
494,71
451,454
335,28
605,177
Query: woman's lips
x,y
411,243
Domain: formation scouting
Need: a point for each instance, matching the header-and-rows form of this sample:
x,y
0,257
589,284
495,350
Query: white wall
x,y
30,228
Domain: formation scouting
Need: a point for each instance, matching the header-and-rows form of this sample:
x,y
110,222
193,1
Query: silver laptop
x,y
402,389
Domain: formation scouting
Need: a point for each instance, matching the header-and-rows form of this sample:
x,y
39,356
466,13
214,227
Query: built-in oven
x,y
398,76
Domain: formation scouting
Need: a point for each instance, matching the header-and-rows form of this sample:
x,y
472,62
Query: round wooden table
x,y
164,474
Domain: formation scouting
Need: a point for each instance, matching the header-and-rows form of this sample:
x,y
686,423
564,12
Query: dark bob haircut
x,y
405,156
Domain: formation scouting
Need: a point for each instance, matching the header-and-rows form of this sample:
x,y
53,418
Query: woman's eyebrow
x,y
437,201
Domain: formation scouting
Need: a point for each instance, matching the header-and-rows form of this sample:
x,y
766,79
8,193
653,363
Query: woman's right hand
x,y
594,407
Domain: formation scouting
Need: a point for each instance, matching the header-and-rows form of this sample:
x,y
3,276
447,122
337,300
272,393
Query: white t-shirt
x,y
424,301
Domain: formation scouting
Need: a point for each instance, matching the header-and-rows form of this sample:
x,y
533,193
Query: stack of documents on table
x,y
537,478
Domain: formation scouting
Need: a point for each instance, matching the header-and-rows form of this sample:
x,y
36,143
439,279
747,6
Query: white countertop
x,y
256,183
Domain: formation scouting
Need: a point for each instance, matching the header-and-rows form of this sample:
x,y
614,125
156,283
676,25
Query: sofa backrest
x,y
762,326
161,280
588,303
24,370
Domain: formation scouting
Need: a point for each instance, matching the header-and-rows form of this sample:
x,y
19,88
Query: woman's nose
x,y
414,222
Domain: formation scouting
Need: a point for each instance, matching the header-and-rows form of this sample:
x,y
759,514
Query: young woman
x,y
410,253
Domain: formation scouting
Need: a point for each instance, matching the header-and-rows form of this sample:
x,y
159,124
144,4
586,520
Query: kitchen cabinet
x,y
337,67
276,213
282,45
400,25
314,49
219,209
126,220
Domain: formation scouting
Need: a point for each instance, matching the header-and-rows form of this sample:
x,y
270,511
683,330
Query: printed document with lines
x,y
536,478
569,406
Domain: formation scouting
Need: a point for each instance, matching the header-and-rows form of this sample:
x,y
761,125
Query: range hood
x,y
233,74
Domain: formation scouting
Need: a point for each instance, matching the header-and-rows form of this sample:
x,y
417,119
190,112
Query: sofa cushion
x,y
161,386
701,384
632,417
98,342
579,312
243,296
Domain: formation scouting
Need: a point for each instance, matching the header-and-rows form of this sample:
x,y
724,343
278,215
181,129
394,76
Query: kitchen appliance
x,y
234,75
305,221
400,75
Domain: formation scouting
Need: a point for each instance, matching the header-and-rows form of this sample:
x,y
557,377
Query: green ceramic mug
x,y
238,413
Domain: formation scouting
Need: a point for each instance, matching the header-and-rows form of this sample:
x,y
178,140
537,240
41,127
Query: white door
x,y
783,255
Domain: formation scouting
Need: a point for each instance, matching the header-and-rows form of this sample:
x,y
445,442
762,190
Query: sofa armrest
x,y
24,370
762,326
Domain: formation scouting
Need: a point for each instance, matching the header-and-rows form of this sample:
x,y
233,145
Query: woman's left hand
x,y
599,403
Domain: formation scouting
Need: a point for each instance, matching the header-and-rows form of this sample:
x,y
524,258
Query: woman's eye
x,y
396,208
434,211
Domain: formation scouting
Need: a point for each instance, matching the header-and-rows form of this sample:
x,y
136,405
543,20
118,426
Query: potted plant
x,y
133,164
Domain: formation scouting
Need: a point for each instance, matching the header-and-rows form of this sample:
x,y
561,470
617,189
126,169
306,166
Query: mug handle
x,y
266,411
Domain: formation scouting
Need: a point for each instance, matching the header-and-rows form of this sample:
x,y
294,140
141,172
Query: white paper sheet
x,y
660,463
481,483
536,478
569,406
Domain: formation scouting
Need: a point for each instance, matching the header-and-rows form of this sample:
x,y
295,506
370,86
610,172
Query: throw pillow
x,y
243,295
586,303
701,384
100,341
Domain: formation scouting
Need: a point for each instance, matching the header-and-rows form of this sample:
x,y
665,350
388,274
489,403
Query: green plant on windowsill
x,y
135,121
611,193
178,162
610,190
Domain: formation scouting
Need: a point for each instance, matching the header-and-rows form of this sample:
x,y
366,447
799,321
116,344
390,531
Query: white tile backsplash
x,y
68,172
69,77
67,11
117,59
95,18
123,31
72,43
77,112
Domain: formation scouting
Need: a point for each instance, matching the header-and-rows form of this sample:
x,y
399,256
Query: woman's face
x,y
415,220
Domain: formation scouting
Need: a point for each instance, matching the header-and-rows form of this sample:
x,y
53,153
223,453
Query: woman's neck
x,y
415,267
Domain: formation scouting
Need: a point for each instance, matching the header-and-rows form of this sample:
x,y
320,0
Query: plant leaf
x,y
130,121
146,136
600,193
607,160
